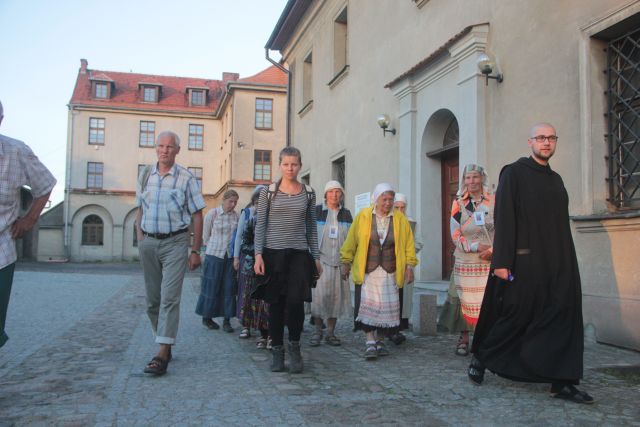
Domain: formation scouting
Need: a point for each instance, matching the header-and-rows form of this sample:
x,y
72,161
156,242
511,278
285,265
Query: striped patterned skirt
x,y
470,276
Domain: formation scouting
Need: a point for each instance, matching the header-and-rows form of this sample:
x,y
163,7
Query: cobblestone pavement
x,y
80,338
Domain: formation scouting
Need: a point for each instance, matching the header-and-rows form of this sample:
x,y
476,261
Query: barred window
x,y
147,134
338,171
92,231
623,71
96,131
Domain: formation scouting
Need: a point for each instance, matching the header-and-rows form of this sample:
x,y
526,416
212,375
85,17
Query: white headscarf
x,y
379,190
401,198
333,185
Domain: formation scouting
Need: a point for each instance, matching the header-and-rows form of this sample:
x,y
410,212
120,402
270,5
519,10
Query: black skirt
x,y
288,272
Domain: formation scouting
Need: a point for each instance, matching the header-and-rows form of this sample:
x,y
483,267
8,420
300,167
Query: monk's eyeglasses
x,y
541,138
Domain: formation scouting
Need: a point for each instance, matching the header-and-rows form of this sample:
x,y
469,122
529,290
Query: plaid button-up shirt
x,y
18,167
168,201
219,227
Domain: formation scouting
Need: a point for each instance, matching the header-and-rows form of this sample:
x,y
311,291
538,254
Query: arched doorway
x,y
443,131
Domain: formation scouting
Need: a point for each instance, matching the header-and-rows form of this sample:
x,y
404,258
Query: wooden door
x,y
450,178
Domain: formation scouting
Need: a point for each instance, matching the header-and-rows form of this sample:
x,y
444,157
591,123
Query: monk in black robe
x,y
530,325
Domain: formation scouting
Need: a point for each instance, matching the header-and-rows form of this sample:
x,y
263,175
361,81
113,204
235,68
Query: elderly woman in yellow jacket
x,y
380,253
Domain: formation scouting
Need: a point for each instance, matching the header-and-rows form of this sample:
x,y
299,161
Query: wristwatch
x,y
195,252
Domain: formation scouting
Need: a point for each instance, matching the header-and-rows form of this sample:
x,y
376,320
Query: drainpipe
x,y
266,53
67,213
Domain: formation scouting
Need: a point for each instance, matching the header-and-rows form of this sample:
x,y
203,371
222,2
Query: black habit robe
x,y
530,329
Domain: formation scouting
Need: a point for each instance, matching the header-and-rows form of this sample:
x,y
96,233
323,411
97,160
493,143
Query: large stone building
x,y
574,63
229,130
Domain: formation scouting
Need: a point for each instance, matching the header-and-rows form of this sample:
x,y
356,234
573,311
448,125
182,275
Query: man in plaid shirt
x,y
18,167
168,199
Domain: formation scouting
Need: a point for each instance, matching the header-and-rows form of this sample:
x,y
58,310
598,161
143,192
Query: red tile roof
x,y
125,92
271,76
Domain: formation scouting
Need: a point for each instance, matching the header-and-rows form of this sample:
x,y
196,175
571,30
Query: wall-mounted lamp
x,y
241,144
383,122
487,64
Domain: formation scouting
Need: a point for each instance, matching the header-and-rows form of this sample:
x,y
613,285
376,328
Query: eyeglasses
x,y
541,138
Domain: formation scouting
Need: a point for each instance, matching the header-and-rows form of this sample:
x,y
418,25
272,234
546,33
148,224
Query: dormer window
x,y
101,85
197,96
101,90
150,94
149,91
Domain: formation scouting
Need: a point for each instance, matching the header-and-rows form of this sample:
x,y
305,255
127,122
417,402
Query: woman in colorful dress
x,y
331,296
380,253
217,292
252,313
286,251
472,233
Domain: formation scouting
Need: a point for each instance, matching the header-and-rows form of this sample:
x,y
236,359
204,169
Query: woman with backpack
x,y
287,256
252,313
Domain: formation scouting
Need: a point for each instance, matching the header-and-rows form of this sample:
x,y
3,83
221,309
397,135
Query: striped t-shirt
x,y
291,224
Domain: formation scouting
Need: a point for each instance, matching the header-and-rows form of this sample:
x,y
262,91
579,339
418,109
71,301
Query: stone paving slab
x,y
88,371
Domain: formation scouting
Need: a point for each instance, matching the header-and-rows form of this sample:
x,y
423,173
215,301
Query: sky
x,y
42,42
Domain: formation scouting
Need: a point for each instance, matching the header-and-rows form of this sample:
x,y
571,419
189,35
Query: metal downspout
x,y
67,190
266,53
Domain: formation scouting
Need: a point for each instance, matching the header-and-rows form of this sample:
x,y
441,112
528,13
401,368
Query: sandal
x,y
572,394
157,366
462,348
315,339
245,333
371,353
476,371
261,343
381,349
332,340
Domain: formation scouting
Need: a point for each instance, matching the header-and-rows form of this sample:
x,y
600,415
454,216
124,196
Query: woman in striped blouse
x,y
286,247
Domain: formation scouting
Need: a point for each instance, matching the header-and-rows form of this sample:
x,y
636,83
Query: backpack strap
x,y
144,178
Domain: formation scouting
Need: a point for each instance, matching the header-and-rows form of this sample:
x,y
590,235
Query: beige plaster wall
x,y
50,244
121,153
552,72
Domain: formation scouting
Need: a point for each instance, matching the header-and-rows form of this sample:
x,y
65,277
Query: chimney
x,y
230,77
83,66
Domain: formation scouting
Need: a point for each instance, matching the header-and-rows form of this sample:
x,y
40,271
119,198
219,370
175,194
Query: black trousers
x,y
281,313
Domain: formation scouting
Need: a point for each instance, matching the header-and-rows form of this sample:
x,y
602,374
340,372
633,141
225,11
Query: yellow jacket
x,y
355,247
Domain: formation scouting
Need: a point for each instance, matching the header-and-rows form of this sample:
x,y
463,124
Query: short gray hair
x,y
173,135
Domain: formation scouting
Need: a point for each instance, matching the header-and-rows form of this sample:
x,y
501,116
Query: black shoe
x,y
570,393
398,338
226,326
476,371
209,323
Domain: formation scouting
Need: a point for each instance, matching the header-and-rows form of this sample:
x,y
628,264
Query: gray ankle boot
x,y
277,363
295,358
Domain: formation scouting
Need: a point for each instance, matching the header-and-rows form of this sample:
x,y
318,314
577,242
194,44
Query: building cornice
x,y
130,110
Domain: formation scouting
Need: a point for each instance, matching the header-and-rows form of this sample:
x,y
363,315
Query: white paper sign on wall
x,y
362,200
